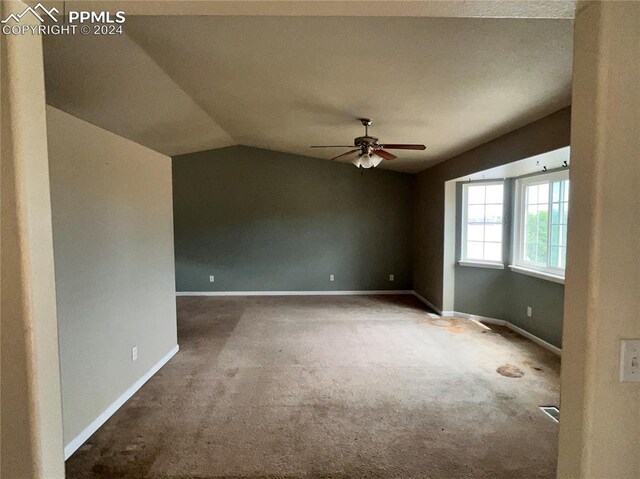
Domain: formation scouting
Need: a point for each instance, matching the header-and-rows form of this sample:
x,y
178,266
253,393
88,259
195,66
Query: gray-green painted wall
x,y
549,133
504,294
261,220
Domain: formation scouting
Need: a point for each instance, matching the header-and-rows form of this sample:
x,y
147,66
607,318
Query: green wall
x,y
547,134
261,220
505,294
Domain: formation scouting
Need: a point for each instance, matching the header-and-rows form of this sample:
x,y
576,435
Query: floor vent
x,y
551,411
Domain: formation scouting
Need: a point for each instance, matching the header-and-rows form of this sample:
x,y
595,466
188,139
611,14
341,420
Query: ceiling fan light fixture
x,y
367,160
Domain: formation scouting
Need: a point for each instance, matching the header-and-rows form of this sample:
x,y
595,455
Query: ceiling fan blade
x,y
401,146
345,154
385,154
331,146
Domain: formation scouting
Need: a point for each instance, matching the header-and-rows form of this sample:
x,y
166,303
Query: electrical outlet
x,y
529,311
392,277
630,360
134,353
212,278
332,277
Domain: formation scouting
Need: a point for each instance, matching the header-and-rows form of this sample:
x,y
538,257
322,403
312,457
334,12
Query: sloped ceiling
x,y
189,83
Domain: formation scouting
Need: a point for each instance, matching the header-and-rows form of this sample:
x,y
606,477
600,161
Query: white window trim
x,y
481,264
463,233
550,273
537,274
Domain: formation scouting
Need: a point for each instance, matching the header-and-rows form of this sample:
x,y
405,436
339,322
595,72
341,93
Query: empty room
x,y
320,239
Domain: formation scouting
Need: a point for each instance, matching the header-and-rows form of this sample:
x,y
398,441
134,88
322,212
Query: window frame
x,y
517,240
464,260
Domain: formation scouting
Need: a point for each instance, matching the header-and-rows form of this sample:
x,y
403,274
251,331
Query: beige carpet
x,y
333,387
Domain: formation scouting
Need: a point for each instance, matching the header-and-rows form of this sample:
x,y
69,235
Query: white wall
x,y
113,247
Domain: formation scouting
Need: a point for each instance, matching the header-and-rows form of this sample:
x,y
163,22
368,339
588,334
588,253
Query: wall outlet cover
x,y
212,278
332,277
134,353
529,311
630,360
392,277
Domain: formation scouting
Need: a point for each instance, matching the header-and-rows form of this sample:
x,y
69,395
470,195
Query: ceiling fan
x,y
370,152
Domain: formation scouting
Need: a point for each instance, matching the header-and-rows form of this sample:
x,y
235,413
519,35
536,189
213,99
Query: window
x,y
541,233
483,205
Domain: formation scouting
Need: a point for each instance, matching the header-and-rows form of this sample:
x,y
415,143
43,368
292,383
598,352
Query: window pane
x,y
553,261
493,213
483,222
543,193
543,223
542,254
475,195
494,194
532,194
543,237
555,214
556,192
475,232
493,233
493,251
555,235
475,214
475,250
530,252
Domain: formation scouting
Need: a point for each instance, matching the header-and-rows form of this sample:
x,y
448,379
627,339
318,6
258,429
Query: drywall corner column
x,y
31,437
600,425
449,257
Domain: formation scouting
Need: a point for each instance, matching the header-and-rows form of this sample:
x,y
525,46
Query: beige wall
x,y
30,385
600,425
113,244
544,135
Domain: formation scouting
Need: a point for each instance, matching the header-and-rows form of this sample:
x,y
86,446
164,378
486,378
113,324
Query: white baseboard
x,y
534,338
511,326
428,303
291,293
80,439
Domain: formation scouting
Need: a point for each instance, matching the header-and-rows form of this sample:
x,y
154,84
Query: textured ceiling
x,y
188,83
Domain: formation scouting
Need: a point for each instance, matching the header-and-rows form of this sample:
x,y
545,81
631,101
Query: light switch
x,y
630,360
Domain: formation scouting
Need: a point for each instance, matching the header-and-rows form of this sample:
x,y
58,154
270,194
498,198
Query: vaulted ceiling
x,y
190,83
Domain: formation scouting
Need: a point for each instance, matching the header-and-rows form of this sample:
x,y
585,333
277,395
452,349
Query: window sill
x,y
478,264
537,274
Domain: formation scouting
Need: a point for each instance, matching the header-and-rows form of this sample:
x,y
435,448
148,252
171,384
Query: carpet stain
x,y
510,371
453,325
535,368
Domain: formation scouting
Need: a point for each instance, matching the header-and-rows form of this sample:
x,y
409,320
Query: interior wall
x,y
600,424
505,294
31,419
549,133
260,220
113,245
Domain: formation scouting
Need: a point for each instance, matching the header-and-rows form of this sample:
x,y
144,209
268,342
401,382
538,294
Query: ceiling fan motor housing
x,y
365,141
